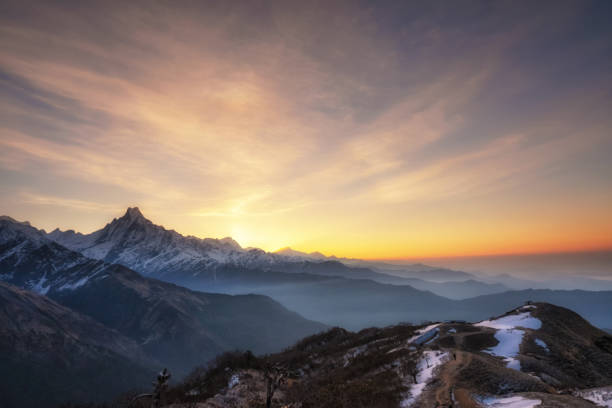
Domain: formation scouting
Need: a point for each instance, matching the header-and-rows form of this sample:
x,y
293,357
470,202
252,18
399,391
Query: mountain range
x,y
152,250
171,326
324,289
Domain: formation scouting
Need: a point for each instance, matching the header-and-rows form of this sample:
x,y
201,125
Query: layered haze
x,y
594,264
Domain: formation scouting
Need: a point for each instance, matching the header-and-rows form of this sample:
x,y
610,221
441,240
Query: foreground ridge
x,y
537,355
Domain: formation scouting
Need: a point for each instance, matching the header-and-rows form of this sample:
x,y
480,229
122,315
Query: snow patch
x,y
602,397
77,284
510,402
426,367
233,381
6,276
512,321
352,353
452,330
433,338
425,334
39,287
509,337
508,346
542,344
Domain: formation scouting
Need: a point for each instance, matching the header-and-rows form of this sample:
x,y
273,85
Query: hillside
x,y
50,354
594,306
536,355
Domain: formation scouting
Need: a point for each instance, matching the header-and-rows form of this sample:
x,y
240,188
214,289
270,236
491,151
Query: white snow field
x,y
542,344
509,336
425,334
602,397
510,402
352,353
426,366
524,320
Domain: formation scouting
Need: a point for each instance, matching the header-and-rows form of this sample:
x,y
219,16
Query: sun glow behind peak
x,y
397,130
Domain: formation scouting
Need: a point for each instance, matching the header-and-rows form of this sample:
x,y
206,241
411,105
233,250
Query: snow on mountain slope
x,y
385,367
510,402
18,230
178,326
426,369
222,264
509,335
30,260
136,242
602,397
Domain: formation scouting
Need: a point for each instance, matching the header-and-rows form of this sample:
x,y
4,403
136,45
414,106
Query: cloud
x,y
80,205
291,109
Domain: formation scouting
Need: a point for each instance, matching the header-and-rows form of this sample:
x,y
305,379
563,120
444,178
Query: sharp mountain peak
x,y
134,212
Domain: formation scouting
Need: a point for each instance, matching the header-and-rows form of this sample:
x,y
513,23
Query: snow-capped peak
x,y
14,221
11,229
135,242
131,216
37,263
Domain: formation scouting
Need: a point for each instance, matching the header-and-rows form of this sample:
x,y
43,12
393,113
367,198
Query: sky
x,y
365,129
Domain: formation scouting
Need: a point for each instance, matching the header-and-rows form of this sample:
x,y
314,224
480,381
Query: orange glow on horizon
x,y
441,253
285,130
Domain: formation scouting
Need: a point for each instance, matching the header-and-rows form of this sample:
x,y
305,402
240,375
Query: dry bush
x,y
206,381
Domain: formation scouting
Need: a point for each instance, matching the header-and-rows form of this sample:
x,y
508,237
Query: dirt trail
x,y
447,377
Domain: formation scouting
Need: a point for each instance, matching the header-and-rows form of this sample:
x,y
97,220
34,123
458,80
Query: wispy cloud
x,y
78,205
290,111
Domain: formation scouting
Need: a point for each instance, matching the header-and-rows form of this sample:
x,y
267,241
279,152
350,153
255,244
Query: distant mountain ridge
x,y
323,290
287,251
134,241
